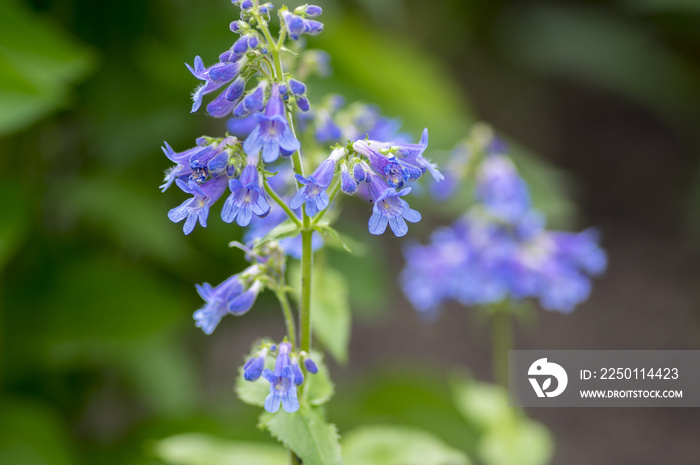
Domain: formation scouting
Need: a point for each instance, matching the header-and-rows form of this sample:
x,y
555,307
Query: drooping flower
x,y
389,208
197,208
247,197
253,368
283,390
214,77
313,192
347,182
272,133
228,297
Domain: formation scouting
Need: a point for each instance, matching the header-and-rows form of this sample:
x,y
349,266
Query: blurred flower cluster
x,y
499,250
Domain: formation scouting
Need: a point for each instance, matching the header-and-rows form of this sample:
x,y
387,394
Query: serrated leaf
x,y
330,309
306,433
398,445
201,449
522,442
318,388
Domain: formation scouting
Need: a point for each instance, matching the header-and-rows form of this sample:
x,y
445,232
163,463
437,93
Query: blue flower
x,y
253,368
313,192
182,168
247,197
282,387
501,190
228,297
310,365
389,208
347,182
410,157
272,133
296,25
197,208
214,77
223,105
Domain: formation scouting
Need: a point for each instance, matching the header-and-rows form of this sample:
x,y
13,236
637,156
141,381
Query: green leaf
x,y
253,392
306,433
508,437
281,231
38,63
523,442
332,233
398,445
482,404
201,449
330,308
318,388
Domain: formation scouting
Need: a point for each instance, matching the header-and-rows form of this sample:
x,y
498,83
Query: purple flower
x,y
247,197
389,208
501,189
272,133
396,171
347,182
282,388
228,297
214,77
223,105
197,208
296,25
253,368
313,192
310,366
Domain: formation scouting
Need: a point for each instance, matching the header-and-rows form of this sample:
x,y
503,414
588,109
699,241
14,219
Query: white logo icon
x,y
547,370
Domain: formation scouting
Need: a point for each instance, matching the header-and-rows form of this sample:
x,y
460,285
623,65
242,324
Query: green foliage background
x,y
99,359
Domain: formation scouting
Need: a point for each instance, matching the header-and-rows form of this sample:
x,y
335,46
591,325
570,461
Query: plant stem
x,y
306,231
294,459
305,304
502,340
281,203
331,196
281,294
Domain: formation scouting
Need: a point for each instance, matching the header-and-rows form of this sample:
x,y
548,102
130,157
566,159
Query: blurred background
x,y
99,357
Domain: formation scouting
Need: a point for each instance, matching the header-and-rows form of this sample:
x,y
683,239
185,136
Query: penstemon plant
x,y
261,170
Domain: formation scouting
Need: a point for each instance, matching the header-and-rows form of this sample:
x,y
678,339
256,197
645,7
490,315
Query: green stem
x,y
305,304
281,294
502,340
281,203
294,459
331,197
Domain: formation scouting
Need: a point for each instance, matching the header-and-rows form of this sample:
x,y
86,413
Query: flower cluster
x,y
205,171
284,378
501,250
